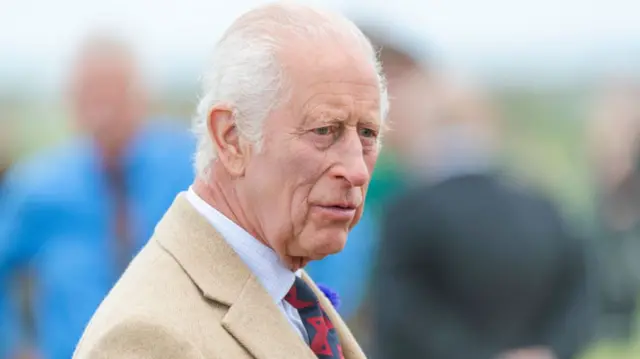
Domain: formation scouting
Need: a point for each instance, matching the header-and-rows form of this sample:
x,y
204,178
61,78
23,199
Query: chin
x,y
327,244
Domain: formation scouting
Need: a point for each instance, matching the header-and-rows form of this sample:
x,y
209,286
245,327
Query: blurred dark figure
x,y
615,140
75,215
471,265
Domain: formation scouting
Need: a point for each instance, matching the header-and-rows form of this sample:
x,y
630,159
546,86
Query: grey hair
x,y
245,74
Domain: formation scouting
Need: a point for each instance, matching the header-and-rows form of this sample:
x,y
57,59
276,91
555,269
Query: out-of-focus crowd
x,y
453,258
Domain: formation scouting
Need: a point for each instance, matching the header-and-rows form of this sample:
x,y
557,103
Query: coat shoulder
x,y
153,306
138,337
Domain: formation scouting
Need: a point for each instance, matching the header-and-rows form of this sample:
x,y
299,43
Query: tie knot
x,y
301,296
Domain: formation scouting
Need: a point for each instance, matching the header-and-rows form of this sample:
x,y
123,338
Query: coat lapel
x,y
253,318
256,322
205,256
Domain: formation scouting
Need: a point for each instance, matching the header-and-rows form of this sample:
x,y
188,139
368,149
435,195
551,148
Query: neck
x,y
216,197
219,194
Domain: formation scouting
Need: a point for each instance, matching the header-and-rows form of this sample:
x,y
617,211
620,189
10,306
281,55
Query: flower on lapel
x,y
331,294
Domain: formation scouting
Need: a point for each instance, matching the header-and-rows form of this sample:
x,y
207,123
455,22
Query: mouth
x,y
345,206
341,211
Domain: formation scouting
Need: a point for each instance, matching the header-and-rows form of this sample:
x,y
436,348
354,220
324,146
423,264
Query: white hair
x,y
246,75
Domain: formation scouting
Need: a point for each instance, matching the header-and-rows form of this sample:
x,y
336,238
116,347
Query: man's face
x,y
307,185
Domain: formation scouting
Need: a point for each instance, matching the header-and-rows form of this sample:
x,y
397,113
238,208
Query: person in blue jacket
x,y
75,215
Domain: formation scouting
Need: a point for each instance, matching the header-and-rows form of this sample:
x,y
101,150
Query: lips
x,y
339,211
345,206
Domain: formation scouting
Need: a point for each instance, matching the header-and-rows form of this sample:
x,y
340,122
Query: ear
x,y
226,140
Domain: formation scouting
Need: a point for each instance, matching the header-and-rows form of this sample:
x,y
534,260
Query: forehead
x,y
332,76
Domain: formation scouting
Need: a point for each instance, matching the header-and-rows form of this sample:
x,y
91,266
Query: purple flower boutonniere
x,y
331,294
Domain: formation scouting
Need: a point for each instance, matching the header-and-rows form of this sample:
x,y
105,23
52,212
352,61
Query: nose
x,y
352,166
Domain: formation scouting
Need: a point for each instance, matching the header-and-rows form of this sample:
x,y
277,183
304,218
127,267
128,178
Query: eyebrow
x,y
373,121
332,116
323,117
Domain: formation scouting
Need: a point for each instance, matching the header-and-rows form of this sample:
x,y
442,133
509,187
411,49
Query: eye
x,y
368,133
323,131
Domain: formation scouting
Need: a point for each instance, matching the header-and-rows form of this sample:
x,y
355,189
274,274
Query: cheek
x,y
305,170
299,201
281,187
299,211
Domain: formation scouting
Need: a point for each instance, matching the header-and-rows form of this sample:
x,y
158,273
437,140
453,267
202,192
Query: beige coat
x,y
188,295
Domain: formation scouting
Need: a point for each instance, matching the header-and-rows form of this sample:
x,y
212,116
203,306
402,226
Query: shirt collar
x,y
265,264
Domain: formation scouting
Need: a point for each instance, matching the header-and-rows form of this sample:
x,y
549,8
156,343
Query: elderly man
x,y
78,213
288,132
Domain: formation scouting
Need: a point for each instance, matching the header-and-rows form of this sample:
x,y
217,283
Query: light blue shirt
x,y
57,218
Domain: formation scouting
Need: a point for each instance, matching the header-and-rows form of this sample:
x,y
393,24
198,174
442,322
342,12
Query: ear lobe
x,y
226,140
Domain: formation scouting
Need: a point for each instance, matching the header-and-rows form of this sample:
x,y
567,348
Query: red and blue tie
x,y
322,335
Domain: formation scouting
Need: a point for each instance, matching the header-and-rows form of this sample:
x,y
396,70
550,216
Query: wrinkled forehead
x,y
330,102
330,72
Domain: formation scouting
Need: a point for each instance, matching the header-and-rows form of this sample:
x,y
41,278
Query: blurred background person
x,y
472,265
74,216
614,138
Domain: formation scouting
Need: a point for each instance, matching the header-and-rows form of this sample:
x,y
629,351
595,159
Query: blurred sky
x,y
496,38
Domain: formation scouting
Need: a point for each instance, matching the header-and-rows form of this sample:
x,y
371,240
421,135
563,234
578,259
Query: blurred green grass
x,y
613,351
